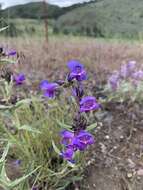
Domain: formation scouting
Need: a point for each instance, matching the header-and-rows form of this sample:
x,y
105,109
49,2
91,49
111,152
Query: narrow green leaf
x,y
92,126
56,148
29,128
18,181
63,125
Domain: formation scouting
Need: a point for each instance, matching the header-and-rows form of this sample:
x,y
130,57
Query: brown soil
x,y
116,160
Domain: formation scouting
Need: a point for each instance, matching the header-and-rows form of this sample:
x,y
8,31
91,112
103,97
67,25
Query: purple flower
x,y
68,154
48,88
75,141
138,75
89,103
114,80
131,65
82,140
11,53
67,137
44,84
77,71
19,79
17,162
127,69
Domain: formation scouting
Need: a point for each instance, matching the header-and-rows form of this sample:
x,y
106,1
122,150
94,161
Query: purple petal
x,y
68,154
19,79
73,64
89,103
44,84
11,53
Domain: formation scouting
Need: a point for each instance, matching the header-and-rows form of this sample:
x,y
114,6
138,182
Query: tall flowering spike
x,y
77,71
68,155
82,140
89,103
67,137
49,88
19,79
113,80
127,69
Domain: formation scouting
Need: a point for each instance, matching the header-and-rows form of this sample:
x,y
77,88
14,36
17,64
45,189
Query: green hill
x,y
32,11
106,18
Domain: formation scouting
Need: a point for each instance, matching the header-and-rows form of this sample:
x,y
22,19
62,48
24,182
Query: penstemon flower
x,y
113,80
127,69
74,142
89,103
19,79
77,71
49,89
68,154
11,53
138,75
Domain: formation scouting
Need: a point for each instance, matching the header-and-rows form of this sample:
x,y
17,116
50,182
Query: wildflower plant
x,y
49,132
126,84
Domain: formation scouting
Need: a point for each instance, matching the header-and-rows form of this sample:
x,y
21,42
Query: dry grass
x,y
40,60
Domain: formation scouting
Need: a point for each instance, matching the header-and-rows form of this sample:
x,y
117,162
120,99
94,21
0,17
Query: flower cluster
x,y
74,142
49,89
127,73
78,138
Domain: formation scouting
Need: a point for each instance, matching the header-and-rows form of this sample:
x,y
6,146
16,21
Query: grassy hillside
x,y
32,10
35,10
107,18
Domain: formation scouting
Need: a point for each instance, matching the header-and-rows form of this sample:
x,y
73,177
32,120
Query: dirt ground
x,y
116,159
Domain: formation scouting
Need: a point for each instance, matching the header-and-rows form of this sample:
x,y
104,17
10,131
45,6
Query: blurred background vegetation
x,y
97,18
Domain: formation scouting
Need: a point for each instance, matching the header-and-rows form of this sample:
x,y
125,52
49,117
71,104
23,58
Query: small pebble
x,y
129,175
107,137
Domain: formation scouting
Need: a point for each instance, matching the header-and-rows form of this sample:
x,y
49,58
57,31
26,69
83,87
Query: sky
x,y
7,3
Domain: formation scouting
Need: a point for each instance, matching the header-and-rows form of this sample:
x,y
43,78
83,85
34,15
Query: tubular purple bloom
x,y
127,69
11,53
114,80
67,137
68,154
83,139
131,65
75,65
19,79
77,71
78,75
49,88
89,103
138,75
44,84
